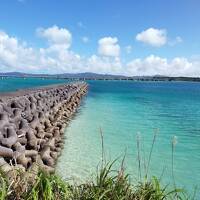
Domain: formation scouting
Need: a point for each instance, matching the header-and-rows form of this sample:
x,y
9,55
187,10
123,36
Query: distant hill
x,y
86,75
90,75
13,74
93,76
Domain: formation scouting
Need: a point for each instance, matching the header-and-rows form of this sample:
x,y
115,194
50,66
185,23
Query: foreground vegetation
x,y
108,184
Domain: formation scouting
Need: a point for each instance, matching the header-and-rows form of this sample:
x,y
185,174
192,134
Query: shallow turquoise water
x,y
122,110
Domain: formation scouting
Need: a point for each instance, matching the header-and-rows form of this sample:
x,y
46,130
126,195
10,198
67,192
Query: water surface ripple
x,y
124,109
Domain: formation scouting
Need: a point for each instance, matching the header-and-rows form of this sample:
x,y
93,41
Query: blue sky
x,y
139,37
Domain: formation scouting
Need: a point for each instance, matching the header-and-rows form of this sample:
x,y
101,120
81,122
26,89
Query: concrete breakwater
x,y
32,124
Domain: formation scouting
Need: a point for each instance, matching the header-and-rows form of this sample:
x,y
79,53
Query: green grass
x,y
107,184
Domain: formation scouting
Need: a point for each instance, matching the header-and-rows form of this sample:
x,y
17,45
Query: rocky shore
x,y
32,124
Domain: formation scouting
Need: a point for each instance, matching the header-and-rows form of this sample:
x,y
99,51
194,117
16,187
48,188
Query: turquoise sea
x,y
125,111
11,84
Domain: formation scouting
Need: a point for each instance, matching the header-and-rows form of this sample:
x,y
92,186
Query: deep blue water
x,y
124,110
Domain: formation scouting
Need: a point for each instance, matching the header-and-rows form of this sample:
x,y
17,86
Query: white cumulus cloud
x,y
16,55
56,58
108,46
106,65
155,65
152,36
56,36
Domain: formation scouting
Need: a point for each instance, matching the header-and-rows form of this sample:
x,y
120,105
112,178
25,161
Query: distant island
x,y
95,76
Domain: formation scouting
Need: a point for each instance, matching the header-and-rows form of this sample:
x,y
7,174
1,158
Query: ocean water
x,y
125,111
12,84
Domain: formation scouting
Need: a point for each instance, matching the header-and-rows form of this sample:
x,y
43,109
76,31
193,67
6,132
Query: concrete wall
x,y
32,124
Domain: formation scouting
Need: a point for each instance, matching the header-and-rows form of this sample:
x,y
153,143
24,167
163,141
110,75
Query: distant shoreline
x,y
142,78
